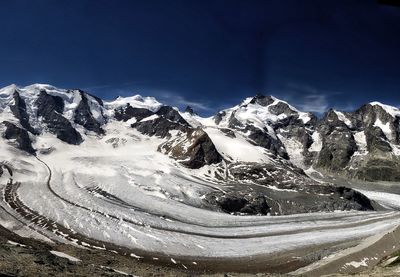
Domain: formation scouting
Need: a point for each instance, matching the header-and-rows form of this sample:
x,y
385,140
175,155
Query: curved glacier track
x,y
170,231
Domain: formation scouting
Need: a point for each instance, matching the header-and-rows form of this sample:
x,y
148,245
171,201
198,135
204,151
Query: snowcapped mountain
x,y
260,149
363,144
143,179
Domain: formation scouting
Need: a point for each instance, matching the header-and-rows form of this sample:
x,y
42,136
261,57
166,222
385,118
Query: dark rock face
x,y
47,104
262,100
338,144
367,115
336,151
189,110
243,205
396,129
83,116
21,137
235,124
50,109
330,122
202,150
168,119
171,114
7,168
232,204
218,117
281,108
303,136
19,111
228,132
356,198
377,162
195,151
264,139
379,169
376,140
288,123
128,112
159,127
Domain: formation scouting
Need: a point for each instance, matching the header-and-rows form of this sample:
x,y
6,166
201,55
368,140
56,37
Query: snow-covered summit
x,y
393,111
261,111
136,101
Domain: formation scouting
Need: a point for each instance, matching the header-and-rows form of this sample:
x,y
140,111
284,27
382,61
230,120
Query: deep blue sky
x,y
212,53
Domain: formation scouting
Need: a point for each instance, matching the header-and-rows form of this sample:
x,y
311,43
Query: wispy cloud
x,y
164,96
178,100
109,86
317,103
345,107
308,98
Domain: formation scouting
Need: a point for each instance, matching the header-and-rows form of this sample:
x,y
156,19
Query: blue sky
x,y
207,53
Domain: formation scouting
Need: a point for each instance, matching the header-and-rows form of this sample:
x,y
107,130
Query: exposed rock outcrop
x,y
18,108
83,116
128,112
51,108
193,149
376,140
19,135
160,123
189,110
237,204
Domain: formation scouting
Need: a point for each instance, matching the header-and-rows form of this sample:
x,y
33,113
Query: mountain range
x,y
258,187
267,150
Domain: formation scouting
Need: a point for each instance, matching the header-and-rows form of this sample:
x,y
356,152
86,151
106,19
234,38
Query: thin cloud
x,y
345,107
112,86
317,103
180,101
166,97
308,98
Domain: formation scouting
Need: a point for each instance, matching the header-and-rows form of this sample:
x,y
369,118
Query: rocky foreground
x,y
28,257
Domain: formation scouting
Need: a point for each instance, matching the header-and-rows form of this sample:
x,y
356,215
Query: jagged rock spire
x,y
189,110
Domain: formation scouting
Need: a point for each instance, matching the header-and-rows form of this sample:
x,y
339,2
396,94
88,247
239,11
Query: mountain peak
x,y
189,110
262,100
38,86
389,109
8,89
137,101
